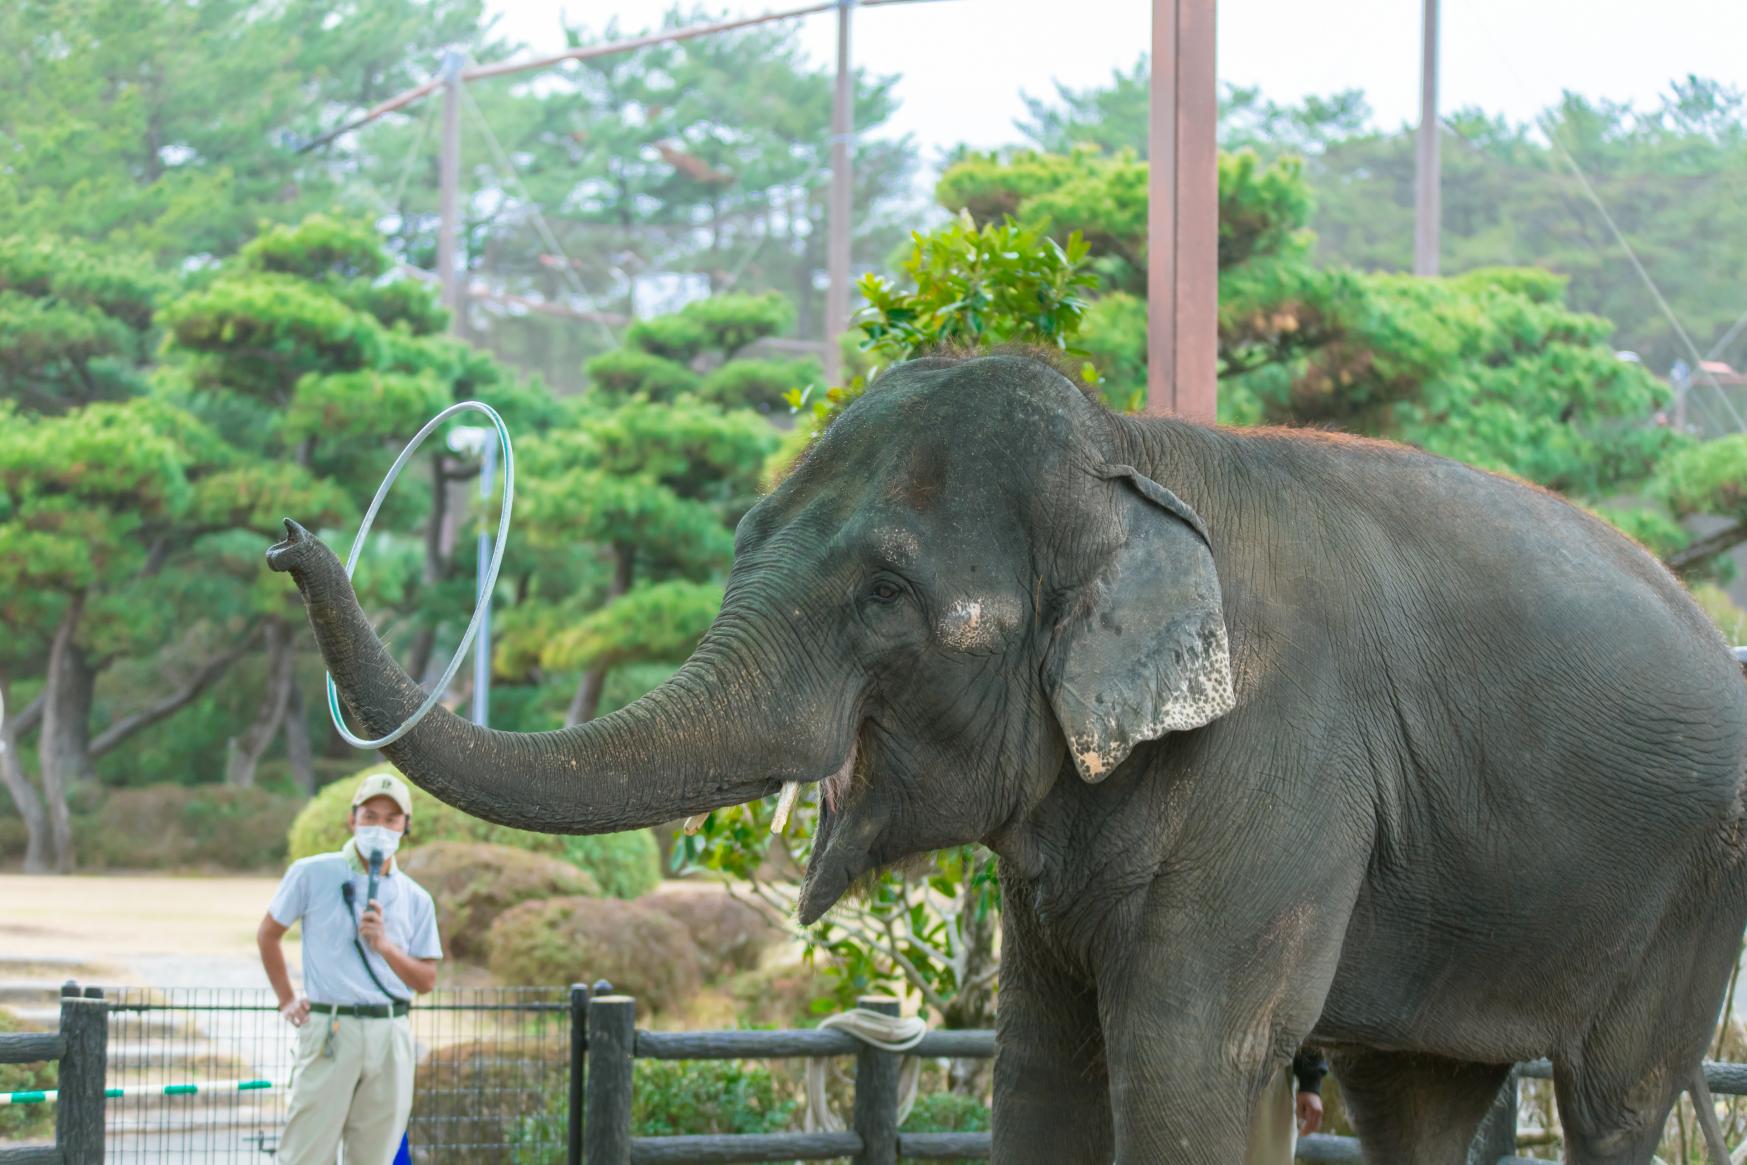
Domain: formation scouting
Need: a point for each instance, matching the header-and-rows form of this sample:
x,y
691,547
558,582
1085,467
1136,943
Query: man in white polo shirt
x,y
363,958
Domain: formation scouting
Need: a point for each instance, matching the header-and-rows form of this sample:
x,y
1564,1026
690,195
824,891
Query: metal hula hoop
x,y
503,533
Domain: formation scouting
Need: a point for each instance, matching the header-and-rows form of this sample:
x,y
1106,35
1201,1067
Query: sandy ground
x,y
131,923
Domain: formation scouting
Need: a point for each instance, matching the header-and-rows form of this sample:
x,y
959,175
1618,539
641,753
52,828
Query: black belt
x,y
362,1010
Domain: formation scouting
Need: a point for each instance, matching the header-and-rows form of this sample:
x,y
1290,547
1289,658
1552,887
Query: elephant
x,y
1279,736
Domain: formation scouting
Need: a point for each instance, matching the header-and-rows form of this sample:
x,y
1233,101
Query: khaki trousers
x,y
359,1097
1274,1128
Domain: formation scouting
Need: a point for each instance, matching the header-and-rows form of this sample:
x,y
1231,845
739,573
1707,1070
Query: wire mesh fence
x,y
202,1075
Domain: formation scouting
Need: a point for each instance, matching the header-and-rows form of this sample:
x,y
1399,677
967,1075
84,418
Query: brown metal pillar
x,y
1183,219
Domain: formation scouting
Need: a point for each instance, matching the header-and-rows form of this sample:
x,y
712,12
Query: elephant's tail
x,y
1741,657
1707,1117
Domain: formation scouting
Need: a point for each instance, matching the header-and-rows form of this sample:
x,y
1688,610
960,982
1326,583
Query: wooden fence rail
x,y
615,1044
81,1048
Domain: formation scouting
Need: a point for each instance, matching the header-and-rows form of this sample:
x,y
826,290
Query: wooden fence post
x,y
1497,1135
80,1110
876,1094
612,1038
578,1072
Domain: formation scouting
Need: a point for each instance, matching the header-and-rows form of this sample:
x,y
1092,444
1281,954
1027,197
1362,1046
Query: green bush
x,y
723,1097
759,384
624,865
732,934
734,320
472,882
632,372
158,827
21,1121
670,337
667,1097
641,951
947,1112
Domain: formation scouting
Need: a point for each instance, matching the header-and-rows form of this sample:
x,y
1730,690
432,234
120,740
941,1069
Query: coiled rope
x,y
484,597
889,1033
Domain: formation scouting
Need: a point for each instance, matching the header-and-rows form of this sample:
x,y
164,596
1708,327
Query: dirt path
x,y
149,929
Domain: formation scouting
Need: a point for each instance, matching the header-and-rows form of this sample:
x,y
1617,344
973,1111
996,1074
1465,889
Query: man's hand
x,y
1309,1109
370,929
296,1013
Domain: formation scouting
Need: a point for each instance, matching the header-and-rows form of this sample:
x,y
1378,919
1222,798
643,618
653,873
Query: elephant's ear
x,y
1141,649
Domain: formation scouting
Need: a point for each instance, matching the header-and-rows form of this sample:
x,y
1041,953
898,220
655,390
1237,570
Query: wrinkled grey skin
x,y
1472,795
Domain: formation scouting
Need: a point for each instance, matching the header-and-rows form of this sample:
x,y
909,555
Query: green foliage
x,y
759,384
25,1121
621,864
656,621
163,128
630,372
628,513
947,1112
668,1098
1003,283
182,827
721,1097
474,882
905,934
730,322
677,338
640,950
967,287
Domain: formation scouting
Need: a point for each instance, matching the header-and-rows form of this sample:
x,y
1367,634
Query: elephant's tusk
x,y
785,805
693,824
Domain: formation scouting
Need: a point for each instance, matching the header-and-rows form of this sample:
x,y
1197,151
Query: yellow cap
x,y
383,783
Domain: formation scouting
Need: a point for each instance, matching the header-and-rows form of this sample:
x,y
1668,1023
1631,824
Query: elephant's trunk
x,y
713,735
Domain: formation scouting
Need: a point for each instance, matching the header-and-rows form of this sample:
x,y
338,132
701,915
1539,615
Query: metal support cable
x,y
507,168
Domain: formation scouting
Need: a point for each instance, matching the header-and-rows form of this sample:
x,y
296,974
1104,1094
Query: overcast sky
x,y
964,63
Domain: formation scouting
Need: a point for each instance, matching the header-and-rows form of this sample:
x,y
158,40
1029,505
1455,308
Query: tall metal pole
x,y
1183,213
482,644
842,207
449,191
1428,209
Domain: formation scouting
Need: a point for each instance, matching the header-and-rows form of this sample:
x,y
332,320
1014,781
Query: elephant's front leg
x,y
1052,1099
1197,1020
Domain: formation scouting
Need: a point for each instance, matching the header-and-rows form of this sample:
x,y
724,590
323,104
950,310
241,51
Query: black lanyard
x,y
347,892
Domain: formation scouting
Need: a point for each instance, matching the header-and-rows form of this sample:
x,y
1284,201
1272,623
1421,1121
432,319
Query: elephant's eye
x,y
885,591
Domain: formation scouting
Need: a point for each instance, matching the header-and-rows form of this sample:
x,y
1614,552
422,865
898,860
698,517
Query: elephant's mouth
x,y
840,853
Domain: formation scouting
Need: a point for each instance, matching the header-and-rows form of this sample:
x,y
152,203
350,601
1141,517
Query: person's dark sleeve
x,y
1309,1066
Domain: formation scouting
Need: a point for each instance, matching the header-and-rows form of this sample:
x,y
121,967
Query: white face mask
x,y
376,839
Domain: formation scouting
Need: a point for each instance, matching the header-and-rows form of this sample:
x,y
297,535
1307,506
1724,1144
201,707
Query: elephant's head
x,y
957,589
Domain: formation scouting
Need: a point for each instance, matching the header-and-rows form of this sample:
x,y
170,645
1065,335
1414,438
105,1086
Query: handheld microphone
x,y
375,868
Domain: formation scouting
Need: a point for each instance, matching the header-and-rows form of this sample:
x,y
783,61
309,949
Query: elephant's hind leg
x,y
1616,1086
1415,1109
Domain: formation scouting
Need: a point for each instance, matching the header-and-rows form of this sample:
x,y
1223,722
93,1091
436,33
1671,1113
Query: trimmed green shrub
x,y
157,827
947,1112
734,320
472,882
631,372
641,951
732,934
759,384
20,1121
705,1096
685,1098
670,337
624,865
